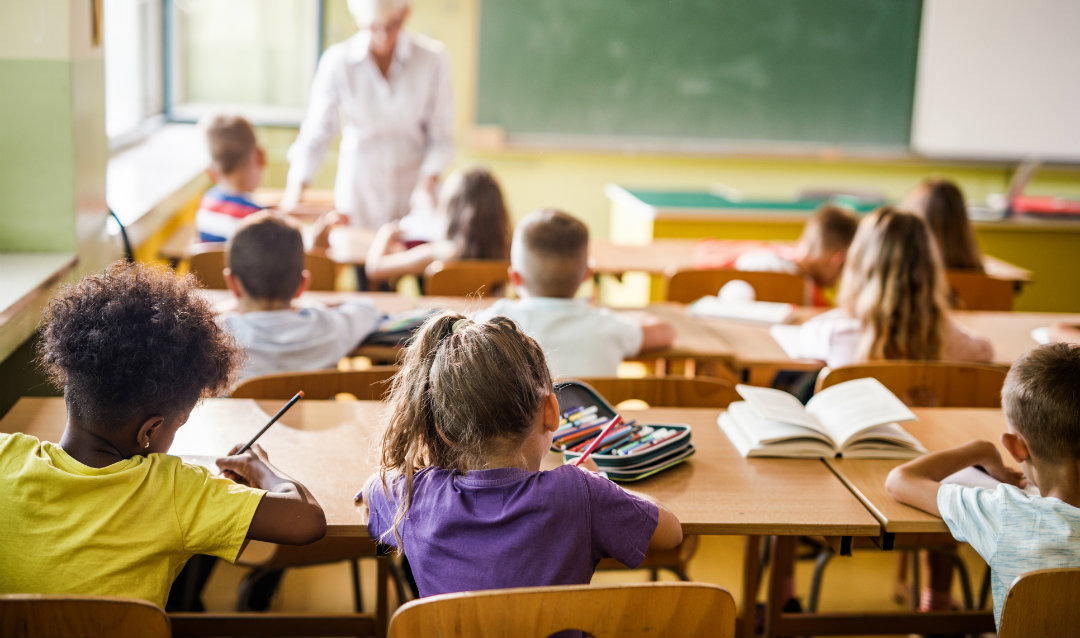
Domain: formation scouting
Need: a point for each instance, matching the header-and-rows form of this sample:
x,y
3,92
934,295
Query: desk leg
x,y
783,547
382,605
750,580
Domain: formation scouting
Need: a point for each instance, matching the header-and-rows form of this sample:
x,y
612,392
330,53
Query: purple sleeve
x,y
381,509
621,523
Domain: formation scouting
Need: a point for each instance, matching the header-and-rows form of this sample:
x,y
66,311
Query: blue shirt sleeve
x,y
973,515
622,524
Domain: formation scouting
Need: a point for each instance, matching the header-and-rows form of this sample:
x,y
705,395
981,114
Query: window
x,y
134,92
253,56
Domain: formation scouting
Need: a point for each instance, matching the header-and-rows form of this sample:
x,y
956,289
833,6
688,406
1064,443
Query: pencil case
x,y
631,452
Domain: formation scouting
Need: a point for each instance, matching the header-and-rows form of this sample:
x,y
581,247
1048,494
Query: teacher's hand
x,y
290,199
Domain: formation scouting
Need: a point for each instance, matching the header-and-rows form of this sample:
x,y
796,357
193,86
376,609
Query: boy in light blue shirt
x,y
1013,531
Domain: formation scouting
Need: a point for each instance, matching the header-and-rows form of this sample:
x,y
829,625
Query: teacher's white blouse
x,y
393,131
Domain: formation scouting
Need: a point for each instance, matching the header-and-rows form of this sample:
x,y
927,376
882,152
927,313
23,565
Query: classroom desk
x,y
330,447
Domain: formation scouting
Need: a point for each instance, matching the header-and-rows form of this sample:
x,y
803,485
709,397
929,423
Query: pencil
x,y
273,419
610,426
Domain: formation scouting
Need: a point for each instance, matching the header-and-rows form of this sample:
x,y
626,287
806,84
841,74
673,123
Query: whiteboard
x,y
998,79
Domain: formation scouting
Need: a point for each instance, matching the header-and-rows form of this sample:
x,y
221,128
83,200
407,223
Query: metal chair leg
x,y
358,599
823,558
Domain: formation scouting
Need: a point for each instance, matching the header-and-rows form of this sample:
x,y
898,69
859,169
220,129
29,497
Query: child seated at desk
x,y
891,303
108,512
266,273
818,256
941,204
460,491
549,260
1013,531
474,225
236,166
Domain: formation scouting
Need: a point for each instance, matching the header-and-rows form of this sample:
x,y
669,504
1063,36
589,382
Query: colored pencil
x,y
273,419
611,426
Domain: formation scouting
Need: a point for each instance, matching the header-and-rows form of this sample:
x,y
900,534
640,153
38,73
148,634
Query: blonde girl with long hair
x,y
460,490
892,301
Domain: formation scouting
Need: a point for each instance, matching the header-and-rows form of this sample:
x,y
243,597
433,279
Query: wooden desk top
x,y
331,448
1010,332
937,429
663,256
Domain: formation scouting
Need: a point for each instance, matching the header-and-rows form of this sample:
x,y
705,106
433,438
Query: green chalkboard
x,y
772,72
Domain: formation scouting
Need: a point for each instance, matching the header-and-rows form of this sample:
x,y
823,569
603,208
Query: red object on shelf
x,y
1045,205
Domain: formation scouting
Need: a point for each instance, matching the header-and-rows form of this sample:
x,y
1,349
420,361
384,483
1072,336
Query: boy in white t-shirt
x,y
266,273
549,259
1013,531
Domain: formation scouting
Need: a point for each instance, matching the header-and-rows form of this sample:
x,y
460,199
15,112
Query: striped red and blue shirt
x,y
220,213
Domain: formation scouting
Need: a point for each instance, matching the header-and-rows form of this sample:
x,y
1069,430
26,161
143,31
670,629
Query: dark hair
x,y
551,252
478,221
1040,400
831,228
462,386
267,255
134,342
946,214
231,139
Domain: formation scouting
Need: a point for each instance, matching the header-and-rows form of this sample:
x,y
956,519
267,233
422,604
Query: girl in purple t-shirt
x,y
460,489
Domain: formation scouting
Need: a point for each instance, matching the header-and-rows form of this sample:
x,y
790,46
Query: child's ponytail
x,y
461,386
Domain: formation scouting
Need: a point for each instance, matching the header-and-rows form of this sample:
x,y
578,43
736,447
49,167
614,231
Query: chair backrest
x,y
367,385
976,291
675,392
207,260
33,615
464,277
943,384
627,610
1041,604
691,284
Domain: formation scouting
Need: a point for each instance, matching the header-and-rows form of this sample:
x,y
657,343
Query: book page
x,y
802,447
788,338
889,441
754,311
847,409
777,405
762,431
975,477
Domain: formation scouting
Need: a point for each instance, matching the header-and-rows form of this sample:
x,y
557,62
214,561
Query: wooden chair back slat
x,y
39,615
938,384
207,260
366,385
976,291
691,284
674,392
465,277
628,610
1041,604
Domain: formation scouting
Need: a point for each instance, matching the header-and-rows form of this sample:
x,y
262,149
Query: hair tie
x,y
459,324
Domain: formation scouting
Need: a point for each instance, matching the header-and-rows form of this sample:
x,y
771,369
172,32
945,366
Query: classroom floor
x,y
860,582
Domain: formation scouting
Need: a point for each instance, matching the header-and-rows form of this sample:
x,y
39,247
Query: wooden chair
x,y
1041,604
943,384
630,611
366,385
206,261
976,291
683,392
464,277
691,284
34,615
940,384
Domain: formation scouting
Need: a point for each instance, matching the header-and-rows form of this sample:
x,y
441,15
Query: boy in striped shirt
x,y
237,164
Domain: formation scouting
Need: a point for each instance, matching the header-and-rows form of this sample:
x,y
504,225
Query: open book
x,y
854,419
753,311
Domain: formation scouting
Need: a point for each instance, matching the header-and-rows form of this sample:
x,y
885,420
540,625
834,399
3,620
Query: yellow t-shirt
x,y
122,530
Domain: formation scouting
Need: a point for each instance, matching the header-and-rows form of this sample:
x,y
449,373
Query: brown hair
x,y
478,222
132,342
267,255
551,252
894,285
942,206
231,139
830,229
1040,400
463,388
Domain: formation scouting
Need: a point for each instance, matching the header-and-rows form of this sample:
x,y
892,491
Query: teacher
x,y
390,90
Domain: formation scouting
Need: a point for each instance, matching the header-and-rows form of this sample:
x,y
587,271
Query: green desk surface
x,y
697,199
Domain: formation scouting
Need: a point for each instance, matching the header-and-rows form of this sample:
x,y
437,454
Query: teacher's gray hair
x,y
367,12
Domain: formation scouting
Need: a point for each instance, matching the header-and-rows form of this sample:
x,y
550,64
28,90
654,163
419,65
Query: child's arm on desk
x,y
655,332
668,532
288,514
917,482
